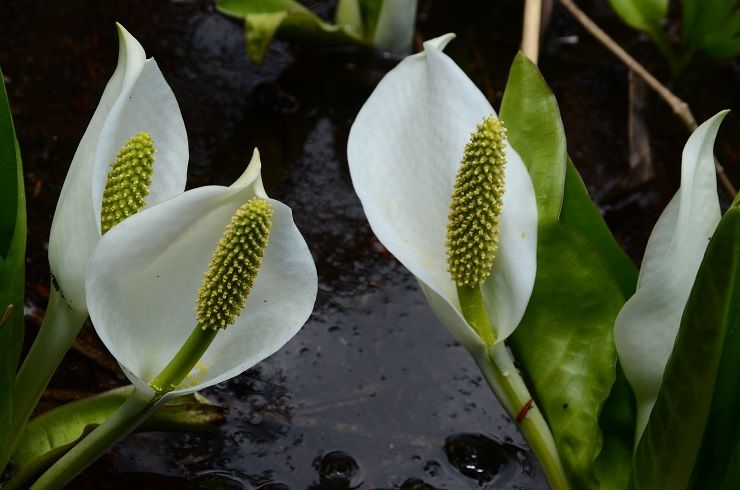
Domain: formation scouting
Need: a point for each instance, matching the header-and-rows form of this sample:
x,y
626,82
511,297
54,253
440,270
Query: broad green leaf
x,y
617,420
698,403
12,255
531,115
643,15
65,424
565,344
265,19
718,463
565,341
580,213
713,26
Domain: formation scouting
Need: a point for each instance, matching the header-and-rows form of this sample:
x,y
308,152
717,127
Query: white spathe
x,y
404,150
648,323
137,98
144,277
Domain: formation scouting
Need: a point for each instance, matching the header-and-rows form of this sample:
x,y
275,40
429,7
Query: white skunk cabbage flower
x,y
145,296
137,125
648,323
405,151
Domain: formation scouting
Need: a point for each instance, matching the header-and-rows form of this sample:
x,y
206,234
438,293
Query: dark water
x,y
373,392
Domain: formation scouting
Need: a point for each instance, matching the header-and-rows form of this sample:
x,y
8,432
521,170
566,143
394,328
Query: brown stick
x,y
679,107
531,29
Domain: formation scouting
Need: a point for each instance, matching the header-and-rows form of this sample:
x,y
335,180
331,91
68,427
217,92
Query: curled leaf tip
x,y
234,265
128,182
477,200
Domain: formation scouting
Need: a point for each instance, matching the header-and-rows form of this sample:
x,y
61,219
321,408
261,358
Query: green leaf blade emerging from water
x,y
581,214
531,115
12,258
565,345
265,19
695,418
565,340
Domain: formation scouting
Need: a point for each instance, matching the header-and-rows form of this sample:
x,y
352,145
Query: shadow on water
x,y
373,392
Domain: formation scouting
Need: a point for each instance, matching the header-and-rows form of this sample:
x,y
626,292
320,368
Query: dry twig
x,y
679,107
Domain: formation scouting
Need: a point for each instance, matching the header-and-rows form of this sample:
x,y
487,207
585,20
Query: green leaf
x,y
12,255
565,340
371,13
65,424
242,8
699,403
580,213
643,15
531,115
565,344
718,463
287,19
618,418
713,26
349,16
617,421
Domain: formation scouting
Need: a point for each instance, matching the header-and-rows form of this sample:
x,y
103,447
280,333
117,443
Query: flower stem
x,y
124,420
135,410
474,311
504,379
59,328
185,359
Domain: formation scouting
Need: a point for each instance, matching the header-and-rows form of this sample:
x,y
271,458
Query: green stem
x,y
132,413
504,379
59,328
124,420
187,357
474,311
507,384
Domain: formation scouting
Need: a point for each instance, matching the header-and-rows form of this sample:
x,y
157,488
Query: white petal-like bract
x,y
144,278
137,98
404,150
648,323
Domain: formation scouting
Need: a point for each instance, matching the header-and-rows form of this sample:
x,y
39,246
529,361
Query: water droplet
x,y
475,455
339,471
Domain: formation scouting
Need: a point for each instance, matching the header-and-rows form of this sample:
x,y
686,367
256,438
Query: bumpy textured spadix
x,y
234,265
129,180
473,223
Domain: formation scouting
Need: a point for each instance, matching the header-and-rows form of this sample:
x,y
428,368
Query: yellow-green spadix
x,y
137,99
128,182
195,260
472,228
404,150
